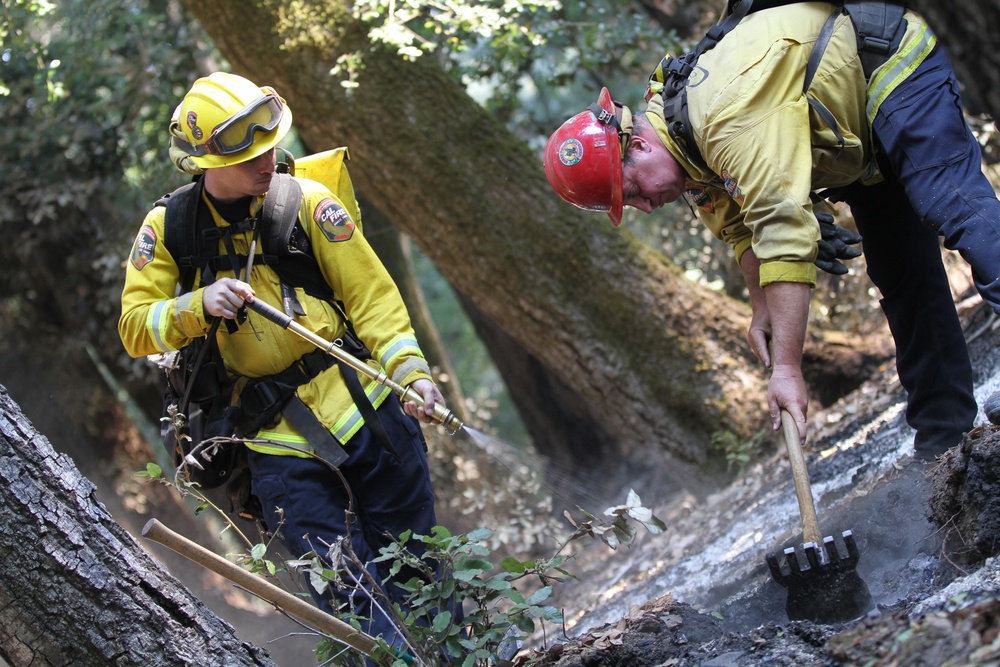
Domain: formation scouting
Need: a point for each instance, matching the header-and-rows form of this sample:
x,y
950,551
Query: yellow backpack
x,y
330,169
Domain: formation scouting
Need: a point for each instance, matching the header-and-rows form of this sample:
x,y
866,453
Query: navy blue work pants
x,y
391,495
933,186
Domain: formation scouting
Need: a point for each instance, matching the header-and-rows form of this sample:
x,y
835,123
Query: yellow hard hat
x,y
226,119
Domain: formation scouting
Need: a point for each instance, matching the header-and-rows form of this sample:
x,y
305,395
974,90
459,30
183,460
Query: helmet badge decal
x,y
570,152
192,122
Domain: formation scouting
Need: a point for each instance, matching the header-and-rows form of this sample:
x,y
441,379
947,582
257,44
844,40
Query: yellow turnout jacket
x,y
156,319
764,147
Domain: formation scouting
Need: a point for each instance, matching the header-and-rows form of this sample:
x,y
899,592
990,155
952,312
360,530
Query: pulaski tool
x,y
442,415
826,588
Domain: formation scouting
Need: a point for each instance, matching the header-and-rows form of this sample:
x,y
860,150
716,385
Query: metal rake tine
x,y
793,561
812,555
830,546
852,548
775,567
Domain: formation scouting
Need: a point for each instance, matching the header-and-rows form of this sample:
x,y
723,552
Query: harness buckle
x,y
876,45
676,67
605,117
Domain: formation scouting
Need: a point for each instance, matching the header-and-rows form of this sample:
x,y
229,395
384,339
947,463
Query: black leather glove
x,y
835,244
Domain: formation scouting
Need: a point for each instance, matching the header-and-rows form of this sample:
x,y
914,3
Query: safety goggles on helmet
x,y
237,132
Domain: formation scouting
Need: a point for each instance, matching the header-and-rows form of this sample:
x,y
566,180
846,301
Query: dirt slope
x,y
701,593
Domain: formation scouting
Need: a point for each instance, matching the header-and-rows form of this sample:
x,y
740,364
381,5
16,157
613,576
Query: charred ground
x,y
928,535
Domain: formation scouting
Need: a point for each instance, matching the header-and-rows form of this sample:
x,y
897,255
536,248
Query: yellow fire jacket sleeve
x,y
154,319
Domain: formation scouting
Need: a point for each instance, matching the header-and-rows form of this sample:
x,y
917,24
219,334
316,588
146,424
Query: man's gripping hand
x,y
836,243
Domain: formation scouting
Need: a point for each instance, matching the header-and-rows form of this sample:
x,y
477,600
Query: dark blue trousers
x,y
391,495
934,186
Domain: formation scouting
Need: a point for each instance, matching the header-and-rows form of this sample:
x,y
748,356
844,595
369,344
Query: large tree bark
x,y
394,251
75,587
659,360
967,30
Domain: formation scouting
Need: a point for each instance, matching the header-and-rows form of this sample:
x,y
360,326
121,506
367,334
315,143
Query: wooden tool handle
x,y
810,525
316,617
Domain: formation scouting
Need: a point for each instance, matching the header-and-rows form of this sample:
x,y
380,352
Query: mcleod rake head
x,y
826,588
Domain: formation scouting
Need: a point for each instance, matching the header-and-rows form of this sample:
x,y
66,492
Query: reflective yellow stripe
x,y
349,424
286,444
399,345
156,324
897,69
293,444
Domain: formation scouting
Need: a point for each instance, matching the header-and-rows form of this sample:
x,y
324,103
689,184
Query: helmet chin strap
x,y
627,127
623,126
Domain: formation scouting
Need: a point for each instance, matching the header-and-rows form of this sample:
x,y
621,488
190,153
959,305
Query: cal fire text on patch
x,y
145,245
335,222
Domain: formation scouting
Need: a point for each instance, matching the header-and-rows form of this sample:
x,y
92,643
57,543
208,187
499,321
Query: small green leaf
x,y
540,595
513,565
442,621
479,535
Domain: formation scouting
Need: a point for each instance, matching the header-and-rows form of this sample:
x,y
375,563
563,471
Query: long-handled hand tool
x,y
156,531
441,414
828,589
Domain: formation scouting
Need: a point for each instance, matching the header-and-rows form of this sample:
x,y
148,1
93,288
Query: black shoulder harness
x,y
878,24
193,239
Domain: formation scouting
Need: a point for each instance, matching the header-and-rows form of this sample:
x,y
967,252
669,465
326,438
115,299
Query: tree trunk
x,y
965,28
660,359
75,587
393,249
540,396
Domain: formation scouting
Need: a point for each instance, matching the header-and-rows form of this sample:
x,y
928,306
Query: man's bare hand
x,y
431,395
225,297
787,391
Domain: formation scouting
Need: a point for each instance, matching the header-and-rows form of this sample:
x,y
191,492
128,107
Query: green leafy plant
x,y
500,602
739,453
458,606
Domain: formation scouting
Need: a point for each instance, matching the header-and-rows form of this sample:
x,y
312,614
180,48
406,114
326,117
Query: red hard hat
x,y
583,158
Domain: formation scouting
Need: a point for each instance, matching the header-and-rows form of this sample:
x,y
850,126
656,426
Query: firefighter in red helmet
x,y
583,158
778,109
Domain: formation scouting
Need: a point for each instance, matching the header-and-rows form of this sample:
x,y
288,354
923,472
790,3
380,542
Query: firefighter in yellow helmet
x,y
226,129
782,101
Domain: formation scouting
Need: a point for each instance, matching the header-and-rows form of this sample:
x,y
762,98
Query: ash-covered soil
x,y
701,593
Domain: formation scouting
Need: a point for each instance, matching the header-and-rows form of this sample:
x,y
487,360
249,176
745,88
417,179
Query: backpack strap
x,y
675,73
819,48
180,237
192,239
264,399
880,26
287,248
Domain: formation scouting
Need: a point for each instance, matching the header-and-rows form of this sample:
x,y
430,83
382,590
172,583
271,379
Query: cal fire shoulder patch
x,y
701,198
335,222
145,246
732,187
